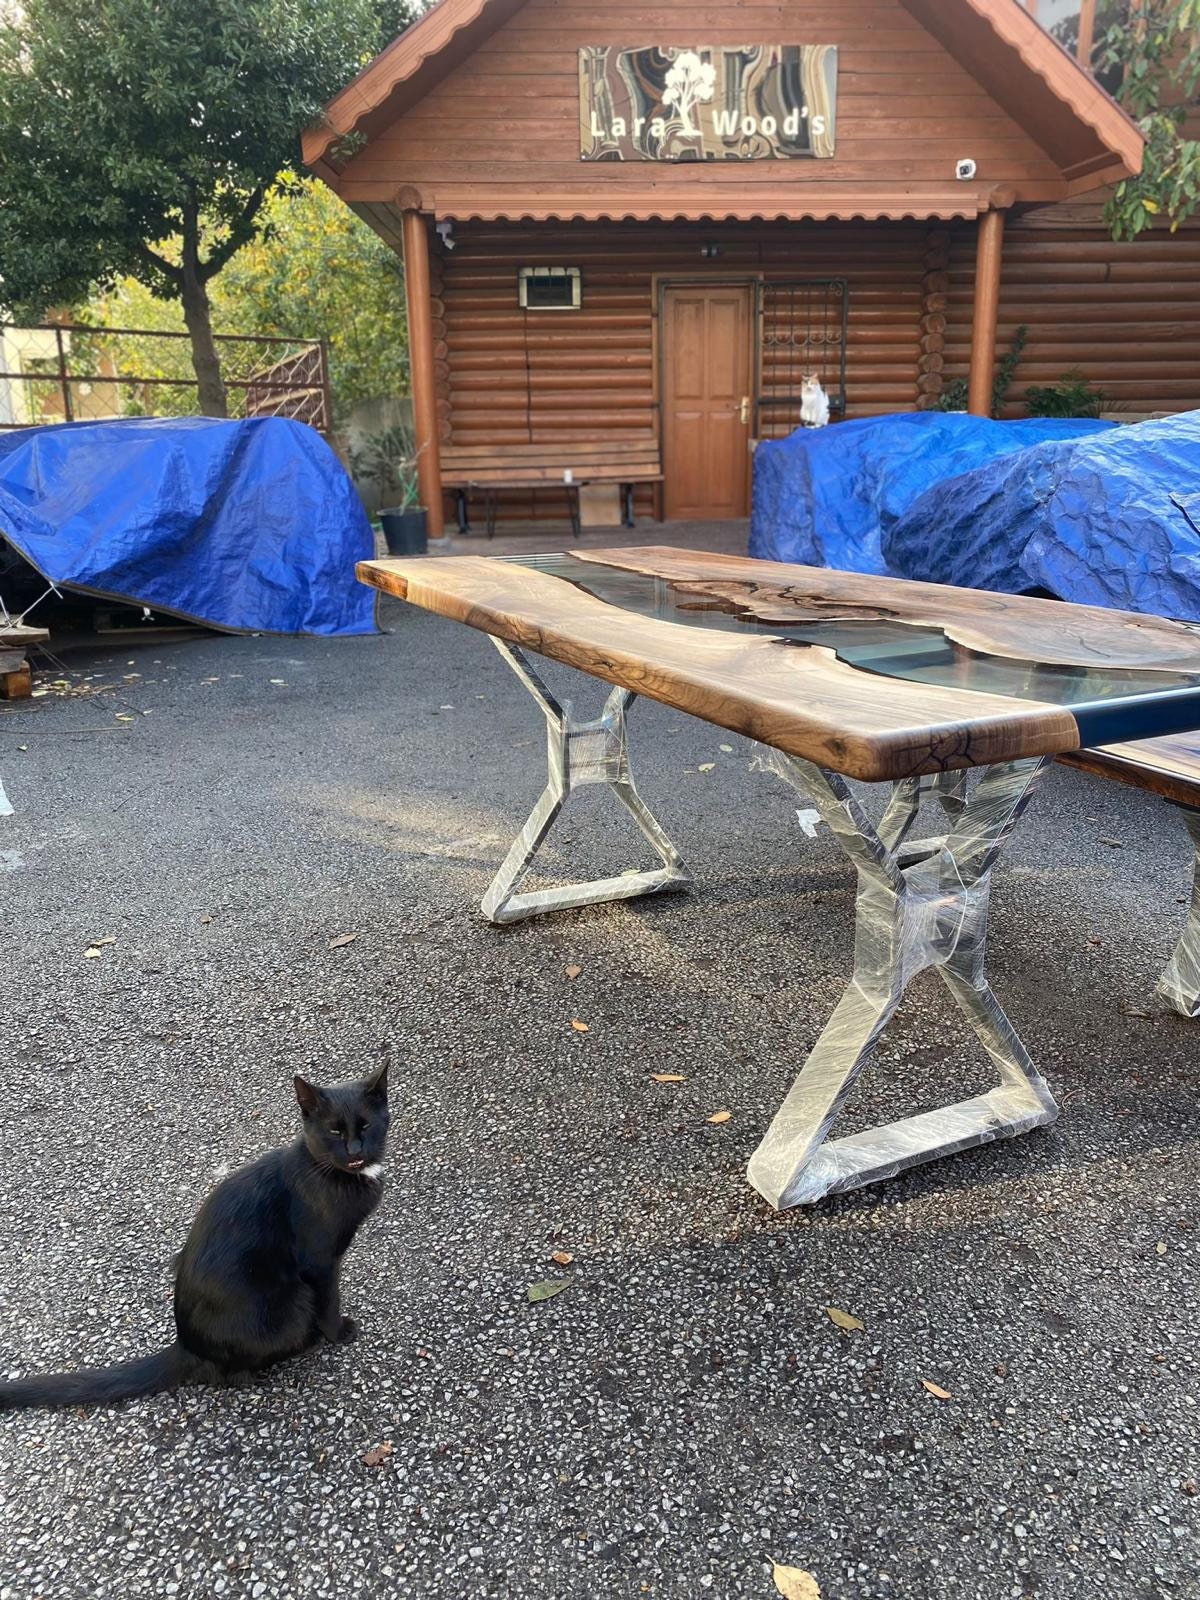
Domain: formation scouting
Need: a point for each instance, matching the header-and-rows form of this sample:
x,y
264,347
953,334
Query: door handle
x,y
744,409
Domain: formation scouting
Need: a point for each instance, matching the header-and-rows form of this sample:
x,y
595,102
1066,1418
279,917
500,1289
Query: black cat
x,y
257,1280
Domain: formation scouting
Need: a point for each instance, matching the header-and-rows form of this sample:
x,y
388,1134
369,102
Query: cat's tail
x,y
100,1386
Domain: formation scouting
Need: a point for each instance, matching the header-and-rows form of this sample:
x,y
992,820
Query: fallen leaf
x,y
728,748
377,1454
667,1077
573,971
936,1390
1114,844
1161,1247
845,1319
580,1027
720,1116
1188,1486
794,1584
706,766
91,953
205,919
562,1258
342,940
547,1289
282,682
124,716
108,938
1134,1011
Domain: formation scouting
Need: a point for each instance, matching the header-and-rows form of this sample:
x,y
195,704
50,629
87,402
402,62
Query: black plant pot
x,y
405,532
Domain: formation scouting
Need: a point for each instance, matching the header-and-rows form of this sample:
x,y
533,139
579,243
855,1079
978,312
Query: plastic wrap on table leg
x,y
930,911
1180,983
578,753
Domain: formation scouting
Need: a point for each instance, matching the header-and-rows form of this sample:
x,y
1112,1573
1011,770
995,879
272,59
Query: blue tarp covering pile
x,y
247,526
827,497
1088,510
1112,520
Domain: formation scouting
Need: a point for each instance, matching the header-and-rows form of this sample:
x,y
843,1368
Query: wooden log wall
x,y
1125,315
514,376
500,132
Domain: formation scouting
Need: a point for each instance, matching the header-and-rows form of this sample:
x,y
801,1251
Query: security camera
x,y
444,231
964,170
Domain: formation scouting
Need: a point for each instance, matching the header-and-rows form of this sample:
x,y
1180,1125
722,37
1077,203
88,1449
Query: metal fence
x,y
62,372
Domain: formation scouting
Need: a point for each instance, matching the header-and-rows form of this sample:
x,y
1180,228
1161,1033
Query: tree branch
x,y
239,234
152,258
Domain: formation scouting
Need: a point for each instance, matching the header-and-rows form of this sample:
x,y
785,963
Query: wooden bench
x,y
1170,768
567,465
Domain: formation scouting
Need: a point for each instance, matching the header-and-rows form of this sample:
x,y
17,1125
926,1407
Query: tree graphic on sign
x,y
689,81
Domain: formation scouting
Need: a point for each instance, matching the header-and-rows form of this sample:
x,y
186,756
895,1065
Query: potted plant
x,y
390,460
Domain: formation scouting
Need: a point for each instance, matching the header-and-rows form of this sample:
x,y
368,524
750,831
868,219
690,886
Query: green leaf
x,y
547,1289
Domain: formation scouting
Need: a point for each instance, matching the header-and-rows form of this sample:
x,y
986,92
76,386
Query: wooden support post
x,y
987,305
1087,34
424,378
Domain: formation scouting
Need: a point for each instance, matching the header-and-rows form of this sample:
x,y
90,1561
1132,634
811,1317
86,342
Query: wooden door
x,y
707,368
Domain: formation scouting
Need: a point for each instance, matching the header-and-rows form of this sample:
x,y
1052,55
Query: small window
x,y
549,288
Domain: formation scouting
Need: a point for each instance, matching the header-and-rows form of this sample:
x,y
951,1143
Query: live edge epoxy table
x,y
836,675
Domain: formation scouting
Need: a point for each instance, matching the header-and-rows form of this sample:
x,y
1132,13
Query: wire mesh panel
x,y
802,326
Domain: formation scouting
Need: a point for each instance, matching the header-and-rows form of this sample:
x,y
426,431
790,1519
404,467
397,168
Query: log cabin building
x,y
649,221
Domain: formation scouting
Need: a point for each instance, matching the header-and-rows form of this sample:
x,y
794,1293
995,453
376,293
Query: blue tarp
x,y
828,497
248,526
1106,520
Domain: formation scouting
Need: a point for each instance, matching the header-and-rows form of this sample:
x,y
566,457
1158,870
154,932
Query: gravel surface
x,y
685,1411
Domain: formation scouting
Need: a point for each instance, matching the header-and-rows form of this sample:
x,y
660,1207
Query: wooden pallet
x,y
16,675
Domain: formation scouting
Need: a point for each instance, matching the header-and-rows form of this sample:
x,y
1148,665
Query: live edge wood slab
x,y
722,644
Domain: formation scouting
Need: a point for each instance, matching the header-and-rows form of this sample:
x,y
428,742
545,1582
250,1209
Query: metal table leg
x,y
1180,983
919,905
578,753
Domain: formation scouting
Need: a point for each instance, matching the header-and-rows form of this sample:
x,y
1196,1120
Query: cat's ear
x,y
307,1095
376,1086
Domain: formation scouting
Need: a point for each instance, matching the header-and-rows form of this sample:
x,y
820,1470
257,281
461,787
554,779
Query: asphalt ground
x,y
684,1412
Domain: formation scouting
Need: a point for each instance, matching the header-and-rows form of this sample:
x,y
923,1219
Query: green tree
x,y
124,123
314,271
1154,46
317,271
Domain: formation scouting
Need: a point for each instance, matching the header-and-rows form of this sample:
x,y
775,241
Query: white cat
x,y
814,402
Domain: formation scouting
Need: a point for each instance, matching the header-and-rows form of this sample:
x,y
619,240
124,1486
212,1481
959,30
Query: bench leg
x,y
573,508
464,520
923,905
627,498
491,500
578,753
1180,983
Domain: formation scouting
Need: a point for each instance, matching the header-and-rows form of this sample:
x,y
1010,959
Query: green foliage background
x,y
1155,49
314,272
143,140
